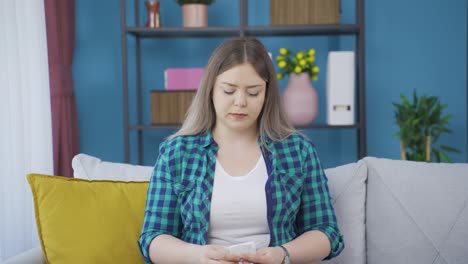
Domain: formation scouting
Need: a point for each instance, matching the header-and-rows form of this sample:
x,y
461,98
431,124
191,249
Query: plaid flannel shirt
x,y
179,194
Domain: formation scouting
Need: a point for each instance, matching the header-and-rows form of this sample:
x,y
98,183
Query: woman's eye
x,y
228,92
253,94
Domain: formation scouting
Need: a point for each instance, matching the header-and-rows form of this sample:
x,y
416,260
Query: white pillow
x,y
92,168
347,185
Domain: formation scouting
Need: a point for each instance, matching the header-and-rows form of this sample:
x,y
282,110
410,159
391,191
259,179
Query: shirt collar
x,y
206,139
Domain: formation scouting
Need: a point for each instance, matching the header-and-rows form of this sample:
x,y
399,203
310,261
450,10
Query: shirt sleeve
x,y
161,211
316,211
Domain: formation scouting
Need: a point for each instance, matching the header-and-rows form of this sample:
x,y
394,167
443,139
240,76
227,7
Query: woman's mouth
x,y
238,115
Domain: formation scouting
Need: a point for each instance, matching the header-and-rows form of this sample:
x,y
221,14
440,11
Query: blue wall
x,y
410,45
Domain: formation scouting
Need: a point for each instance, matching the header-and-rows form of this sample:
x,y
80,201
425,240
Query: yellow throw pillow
x,y
81,221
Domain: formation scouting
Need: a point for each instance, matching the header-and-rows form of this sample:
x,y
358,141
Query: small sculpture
x,y
153,14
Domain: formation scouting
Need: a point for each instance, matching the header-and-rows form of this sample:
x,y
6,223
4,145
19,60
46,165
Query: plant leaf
x,y
445,157
449,149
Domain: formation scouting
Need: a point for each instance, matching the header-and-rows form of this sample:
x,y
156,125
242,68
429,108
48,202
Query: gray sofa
x,y
389,211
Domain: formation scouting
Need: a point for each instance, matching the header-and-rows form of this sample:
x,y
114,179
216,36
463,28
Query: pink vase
x,y
300,99
195,15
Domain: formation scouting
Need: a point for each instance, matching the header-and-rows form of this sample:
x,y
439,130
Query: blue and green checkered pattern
x,y
179,194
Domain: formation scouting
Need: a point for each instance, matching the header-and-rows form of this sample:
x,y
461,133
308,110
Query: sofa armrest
x,y
32,256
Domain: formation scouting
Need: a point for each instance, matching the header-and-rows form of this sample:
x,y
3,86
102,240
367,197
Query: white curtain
x,y
25,119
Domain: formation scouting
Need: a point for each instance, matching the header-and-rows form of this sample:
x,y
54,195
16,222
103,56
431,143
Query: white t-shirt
x,y
238,208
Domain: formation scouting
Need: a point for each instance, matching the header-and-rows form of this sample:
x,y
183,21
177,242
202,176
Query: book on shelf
x,y
182,78
304,12
340,87
169,107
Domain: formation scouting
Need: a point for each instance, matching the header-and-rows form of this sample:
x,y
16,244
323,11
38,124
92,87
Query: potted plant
x,y
195,12
300,97
421,124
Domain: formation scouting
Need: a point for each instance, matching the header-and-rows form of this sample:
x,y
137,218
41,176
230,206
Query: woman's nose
x,y
240,100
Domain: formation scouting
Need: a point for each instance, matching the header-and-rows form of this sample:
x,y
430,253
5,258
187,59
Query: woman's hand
x,y
269,255
216,254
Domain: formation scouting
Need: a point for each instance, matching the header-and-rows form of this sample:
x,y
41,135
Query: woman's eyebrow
x,y
249,86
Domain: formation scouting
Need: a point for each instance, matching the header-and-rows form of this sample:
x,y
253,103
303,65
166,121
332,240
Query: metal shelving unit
x,y
243,29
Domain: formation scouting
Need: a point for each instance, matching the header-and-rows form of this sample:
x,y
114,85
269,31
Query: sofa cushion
x,y
346,183
347,186
81,221
416,212
92,168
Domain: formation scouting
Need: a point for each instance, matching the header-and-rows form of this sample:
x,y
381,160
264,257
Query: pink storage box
x,y
182,78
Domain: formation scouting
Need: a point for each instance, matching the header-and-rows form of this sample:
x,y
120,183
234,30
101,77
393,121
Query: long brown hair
x,y
201,117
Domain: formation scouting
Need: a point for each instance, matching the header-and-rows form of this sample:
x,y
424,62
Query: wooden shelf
x,y
254,31
303,30
325,126
173,32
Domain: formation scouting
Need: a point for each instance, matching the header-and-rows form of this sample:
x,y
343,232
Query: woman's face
x,y
238,97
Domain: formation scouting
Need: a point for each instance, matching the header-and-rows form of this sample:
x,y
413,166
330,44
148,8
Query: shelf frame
x,y
243,30
361,80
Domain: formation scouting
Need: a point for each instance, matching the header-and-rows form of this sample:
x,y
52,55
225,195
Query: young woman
x,y
237,172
